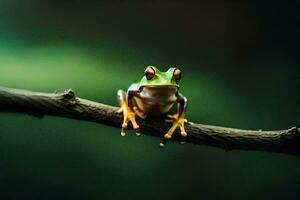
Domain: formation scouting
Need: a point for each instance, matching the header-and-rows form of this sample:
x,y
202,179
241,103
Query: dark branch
x,y
68,105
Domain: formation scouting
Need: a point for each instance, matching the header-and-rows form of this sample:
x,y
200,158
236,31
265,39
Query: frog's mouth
x,y
160,86
164,91
161,89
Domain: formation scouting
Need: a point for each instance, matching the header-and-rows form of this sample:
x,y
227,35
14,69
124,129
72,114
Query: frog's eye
x,y
149,73
177,75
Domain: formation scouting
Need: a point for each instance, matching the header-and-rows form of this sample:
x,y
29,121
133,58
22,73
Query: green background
x,y
240,64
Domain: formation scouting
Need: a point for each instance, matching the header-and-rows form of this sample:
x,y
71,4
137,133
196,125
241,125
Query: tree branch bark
x,y
68,105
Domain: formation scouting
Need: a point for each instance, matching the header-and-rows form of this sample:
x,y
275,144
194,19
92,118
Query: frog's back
x,y
156,100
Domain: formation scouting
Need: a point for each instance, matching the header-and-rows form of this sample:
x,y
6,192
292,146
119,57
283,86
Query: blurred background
x,y
240,63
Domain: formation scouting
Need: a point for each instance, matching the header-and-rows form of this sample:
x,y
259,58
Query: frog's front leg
x,y
177,119
126,102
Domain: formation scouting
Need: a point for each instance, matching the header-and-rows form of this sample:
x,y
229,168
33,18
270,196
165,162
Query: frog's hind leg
x,y
139,113
128,114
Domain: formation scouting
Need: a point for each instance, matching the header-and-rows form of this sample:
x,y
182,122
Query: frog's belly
x,y
156,100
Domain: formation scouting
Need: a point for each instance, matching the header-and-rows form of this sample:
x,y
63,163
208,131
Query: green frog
x,y
154,95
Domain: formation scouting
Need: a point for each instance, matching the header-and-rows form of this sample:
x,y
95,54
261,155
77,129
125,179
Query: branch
x,y
68,105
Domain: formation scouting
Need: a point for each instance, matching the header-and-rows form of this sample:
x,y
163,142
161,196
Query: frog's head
x,y
154,77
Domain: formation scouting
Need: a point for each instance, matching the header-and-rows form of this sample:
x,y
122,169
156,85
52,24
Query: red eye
x,y
177,75
149,73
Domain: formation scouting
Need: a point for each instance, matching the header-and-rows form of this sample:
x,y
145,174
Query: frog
x,y
154,96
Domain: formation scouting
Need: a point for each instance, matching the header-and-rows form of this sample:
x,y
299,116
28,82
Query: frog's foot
x,y
171,118
128,115
178,122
